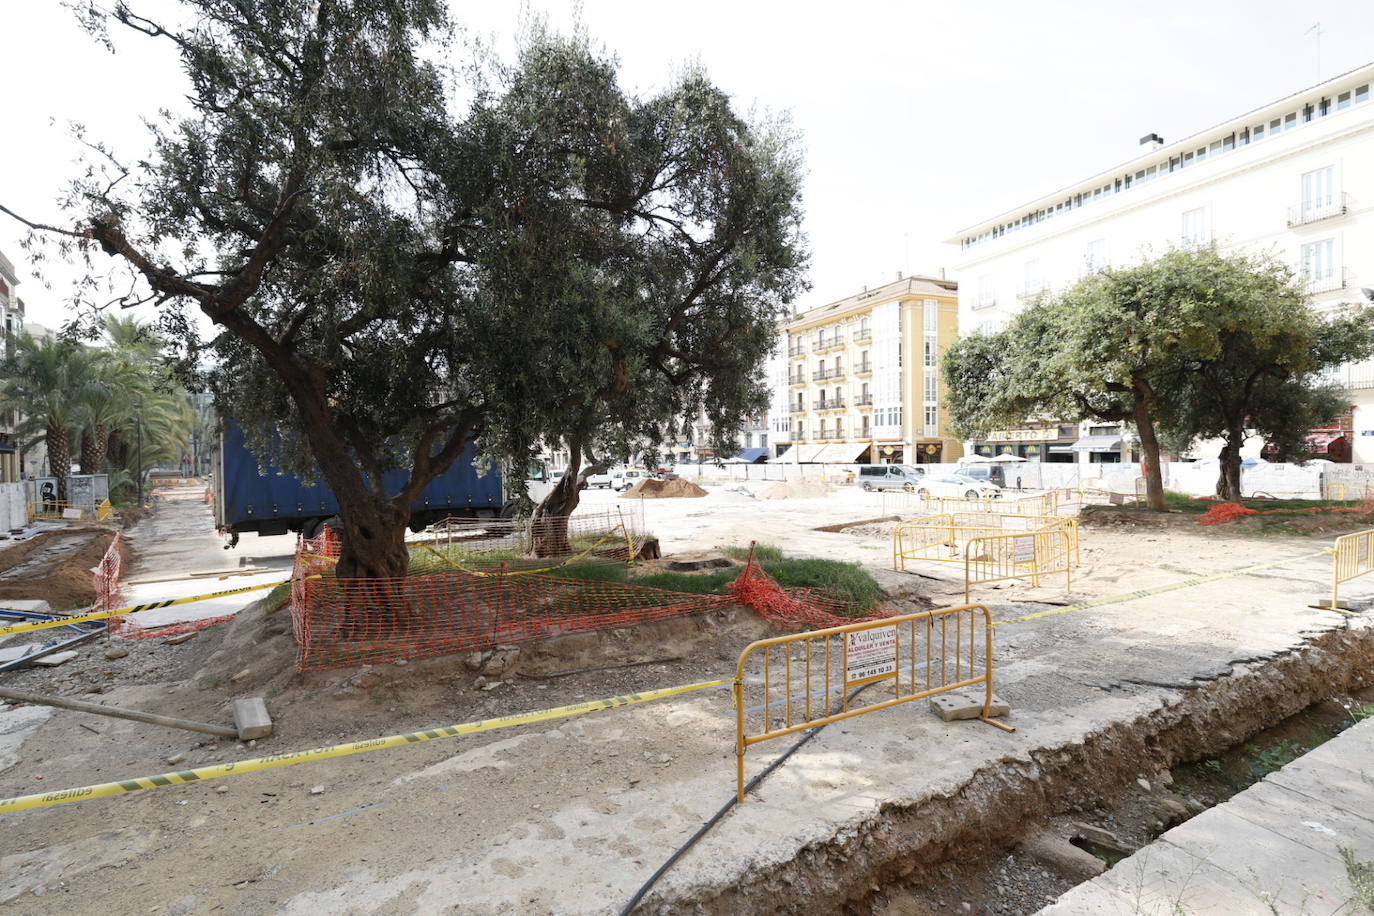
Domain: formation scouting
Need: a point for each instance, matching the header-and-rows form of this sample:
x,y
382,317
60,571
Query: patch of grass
x,y
847,581
589,572
276,599
764,552
1182,502
712,583
1361,877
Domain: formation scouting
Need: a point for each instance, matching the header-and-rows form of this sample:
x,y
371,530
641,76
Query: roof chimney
x,y
1152,141
899,275
942,273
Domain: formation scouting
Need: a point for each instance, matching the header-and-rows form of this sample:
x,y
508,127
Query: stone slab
x,y
57,658
251,718
960,705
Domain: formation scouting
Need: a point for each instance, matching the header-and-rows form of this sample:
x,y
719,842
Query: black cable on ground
x,y
725,809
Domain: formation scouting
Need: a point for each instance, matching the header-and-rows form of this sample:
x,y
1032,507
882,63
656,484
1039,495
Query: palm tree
x,y
44,380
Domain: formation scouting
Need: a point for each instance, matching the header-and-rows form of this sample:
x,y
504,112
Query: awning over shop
x,y
800,454
1096,444
751,455
840,453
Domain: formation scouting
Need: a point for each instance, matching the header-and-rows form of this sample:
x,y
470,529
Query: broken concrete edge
x,y
251,718
966,705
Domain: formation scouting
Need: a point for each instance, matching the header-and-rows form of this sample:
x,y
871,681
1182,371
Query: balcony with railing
x,y
828,404
822,344
821,375
1312,211
864,400
864,368
797,378
795,350
1032,289
797,407
799,437
984,301
1337,278
863,336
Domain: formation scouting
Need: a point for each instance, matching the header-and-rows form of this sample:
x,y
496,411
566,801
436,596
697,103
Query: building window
x,y
1318,265
1095,256
1032,281
1195,227
931,314
932,417
986,297
863,421
930,351
1318,192
931,386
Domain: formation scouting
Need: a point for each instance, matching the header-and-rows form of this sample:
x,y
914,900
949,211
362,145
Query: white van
x,y
624,478
890,477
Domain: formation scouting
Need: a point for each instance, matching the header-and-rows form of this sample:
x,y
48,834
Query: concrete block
x,y
965,705
251,718
57,658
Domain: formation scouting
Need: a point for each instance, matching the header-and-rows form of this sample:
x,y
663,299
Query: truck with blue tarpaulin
x,y
250,495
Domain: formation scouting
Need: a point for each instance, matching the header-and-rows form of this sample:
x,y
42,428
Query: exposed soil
x,y
1016,882
1299,524
932,845
55,566
652,488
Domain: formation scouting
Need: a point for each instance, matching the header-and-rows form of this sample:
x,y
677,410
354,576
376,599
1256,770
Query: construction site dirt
x,y
54,566
572,816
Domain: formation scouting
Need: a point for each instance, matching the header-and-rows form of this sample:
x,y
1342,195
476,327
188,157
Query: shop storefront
x,y
1048,443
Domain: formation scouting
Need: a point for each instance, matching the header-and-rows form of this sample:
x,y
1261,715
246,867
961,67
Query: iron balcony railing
x,y
1311,211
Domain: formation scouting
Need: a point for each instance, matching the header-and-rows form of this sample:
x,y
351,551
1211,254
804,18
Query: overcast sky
x,y
917,118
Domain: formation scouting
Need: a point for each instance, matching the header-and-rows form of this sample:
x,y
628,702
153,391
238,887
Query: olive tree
x,y
392,283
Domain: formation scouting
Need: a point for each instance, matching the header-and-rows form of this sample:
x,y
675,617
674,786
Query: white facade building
x,y
1295,177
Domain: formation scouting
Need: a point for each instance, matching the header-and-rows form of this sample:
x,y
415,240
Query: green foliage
x,y
1199,342
393,279
846,581
764,553
1265,760
1361,877
711,583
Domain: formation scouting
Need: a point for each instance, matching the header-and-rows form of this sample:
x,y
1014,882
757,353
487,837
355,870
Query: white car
x,y
600,480
952,486
624,478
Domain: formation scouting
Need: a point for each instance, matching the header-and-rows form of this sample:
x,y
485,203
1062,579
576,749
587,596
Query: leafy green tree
x,y
389,283
43,380
1262,371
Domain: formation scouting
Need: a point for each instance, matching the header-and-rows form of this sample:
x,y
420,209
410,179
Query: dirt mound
x,y
796,489
663,489
55,566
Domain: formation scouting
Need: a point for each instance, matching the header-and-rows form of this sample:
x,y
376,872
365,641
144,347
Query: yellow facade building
x,y
864,381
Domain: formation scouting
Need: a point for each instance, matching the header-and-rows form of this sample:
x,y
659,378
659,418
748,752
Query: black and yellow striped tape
x,y
181,777
132,609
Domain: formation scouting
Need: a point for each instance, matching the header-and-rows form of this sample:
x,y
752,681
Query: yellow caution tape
x,y
1157,590
530,572
132,609
181,777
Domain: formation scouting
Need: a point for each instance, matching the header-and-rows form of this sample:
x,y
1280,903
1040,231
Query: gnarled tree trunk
x,y
374,540
1149,446
1228,480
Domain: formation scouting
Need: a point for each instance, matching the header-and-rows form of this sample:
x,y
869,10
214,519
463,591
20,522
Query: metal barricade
x,y
920,655
946,538
1351,557
1031,555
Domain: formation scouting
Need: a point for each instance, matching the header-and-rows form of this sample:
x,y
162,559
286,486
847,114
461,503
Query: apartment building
x,y
863,382
1295,177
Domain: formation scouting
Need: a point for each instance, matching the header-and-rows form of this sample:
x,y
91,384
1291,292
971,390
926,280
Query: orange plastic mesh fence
x,y
794,608
107,573
343,622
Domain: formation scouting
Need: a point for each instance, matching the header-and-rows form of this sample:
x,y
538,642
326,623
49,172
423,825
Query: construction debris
x,y
251,718
651,488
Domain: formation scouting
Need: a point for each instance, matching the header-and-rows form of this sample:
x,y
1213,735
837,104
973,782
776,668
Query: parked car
x,y
624,478
890,477
600,480
984,473
956,486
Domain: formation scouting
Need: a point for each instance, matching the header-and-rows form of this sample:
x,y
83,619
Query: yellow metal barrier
x,y
1031,555
55,510
920,655
946,538
1351,557
910,503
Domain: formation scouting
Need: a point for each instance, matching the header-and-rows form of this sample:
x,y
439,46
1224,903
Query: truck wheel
x,y
868,488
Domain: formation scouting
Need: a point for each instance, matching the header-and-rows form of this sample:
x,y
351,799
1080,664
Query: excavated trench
x,y
950,854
